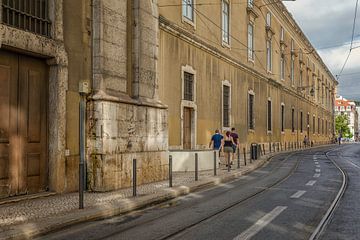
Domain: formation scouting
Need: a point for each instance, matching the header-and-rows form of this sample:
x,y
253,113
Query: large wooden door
x,y
23,130
187,128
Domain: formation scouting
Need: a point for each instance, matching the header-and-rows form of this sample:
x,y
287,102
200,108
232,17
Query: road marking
x,y
314,157
318,166
316,175
317,170
311,183
298,194
260,224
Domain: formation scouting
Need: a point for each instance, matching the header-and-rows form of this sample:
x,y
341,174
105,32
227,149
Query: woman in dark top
x,y
228,145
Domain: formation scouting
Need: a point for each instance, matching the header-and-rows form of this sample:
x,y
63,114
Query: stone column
x,y
145,49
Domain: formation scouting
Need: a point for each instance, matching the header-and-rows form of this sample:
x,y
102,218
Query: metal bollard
x,y
215,163
264,149
285,146
134,177
196,167
269,147
170,171
244,156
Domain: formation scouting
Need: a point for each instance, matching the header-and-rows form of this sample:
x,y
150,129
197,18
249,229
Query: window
x,y
282,34
318,125
301,79
292,69
313,123
282,118
188,9
308,120
268,19
29,15
226,106
292,120
282,67
188,86
292,64
326,127
251,42
322,126
225,22
269,116
250,3
251,111
301,121
268,56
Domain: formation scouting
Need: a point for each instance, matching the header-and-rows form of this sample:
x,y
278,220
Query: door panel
x,y
187,128
33,124
8,123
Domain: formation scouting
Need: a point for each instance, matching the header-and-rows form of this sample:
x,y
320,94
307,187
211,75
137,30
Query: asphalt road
x,y
285,199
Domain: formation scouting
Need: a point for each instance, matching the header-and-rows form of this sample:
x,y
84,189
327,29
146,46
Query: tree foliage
x,y
342,126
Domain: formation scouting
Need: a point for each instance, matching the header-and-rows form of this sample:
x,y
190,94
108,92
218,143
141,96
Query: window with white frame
x,y
188,86
251,41
282,117
226,106
282,67
269,116
188,9
268,56
268,19
251,111
250,3
225,22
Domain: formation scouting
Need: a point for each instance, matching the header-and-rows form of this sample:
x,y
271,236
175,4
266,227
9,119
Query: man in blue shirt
x,y
216,140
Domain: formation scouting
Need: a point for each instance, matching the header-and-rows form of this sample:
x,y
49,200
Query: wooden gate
x,y
23,124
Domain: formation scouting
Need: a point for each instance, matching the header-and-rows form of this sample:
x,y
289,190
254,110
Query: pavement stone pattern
x,y
41,208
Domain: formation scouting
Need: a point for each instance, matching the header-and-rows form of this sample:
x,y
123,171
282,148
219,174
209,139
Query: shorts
x,y
234,148
228,149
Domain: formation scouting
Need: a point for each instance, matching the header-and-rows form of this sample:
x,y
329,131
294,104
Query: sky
x,y
328,25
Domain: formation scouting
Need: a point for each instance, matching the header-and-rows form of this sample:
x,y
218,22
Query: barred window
x,y
301,122
251,112
226,106
318,125
29,15
188,86
313,124
282,118
269,116
292,120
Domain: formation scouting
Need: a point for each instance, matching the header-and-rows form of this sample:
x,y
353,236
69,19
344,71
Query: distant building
x,y
349,108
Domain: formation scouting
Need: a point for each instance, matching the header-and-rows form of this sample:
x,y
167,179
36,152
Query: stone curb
x,y
39,227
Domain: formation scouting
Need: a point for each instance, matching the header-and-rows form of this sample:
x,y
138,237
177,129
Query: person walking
x,y
235,137
216,140
305,141
228,147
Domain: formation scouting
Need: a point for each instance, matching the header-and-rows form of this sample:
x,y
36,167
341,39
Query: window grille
x,y
251,112
301,122
282,118
292,120
269,116
226,106
188,86
29,15
313,124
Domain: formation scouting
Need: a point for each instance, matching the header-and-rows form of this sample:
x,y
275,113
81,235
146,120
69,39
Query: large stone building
x,y
244,65
163,74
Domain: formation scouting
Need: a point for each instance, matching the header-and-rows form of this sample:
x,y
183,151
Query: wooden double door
x,y
23,124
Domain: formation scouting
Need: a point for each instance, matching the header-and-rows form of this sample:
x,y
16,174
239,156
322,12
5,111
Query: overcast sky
x,y
328,25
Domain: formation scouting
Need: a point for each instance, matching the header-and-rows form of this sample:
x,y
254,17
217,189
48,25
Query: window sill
x,y
187,21
225,45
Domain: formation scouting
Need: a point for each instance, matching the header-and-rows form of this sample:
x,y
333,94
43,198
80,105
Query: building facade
x,y
348,108
163,75
247,66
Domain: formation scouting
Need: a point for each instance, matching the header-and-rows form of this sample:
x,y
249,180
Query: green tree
x,y
342,126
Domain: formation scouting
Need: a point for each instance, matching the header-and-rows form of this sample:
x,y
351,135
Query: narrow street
x,y
285,199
